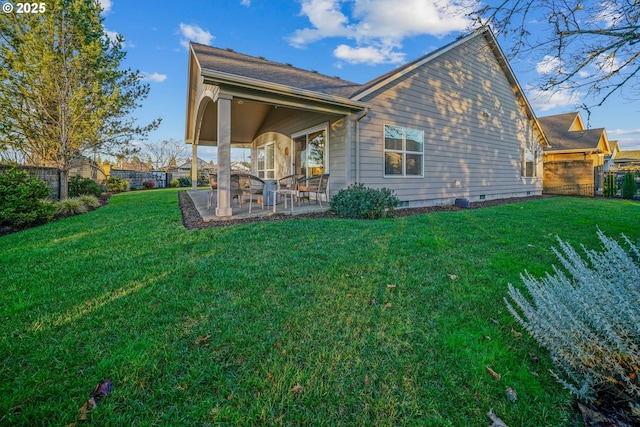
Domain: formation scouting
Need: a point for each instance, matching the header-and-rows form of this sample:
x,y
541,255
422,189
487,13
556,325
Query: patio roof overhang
x,y
252,101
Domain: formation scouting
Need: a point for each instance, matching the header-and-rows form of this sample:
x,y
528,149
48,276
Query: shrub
x,y
90,201
629,186
174,183
360,202
588,320
184,182
610,186
22,199
117,185
79,186
148,184
70,206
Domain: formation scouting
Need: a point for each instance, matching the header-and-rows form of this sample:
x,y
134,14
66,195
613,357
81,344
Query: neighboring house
x,y
453,123
609,163
574,162
627,160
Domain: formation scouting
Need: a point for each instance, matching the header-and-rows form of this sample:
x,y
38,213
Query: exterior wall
x,y
574,177
50,176
475,130
281,123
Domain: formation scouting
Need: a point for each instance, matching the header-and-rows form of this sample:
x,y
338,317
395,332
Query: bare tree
x,y
584,46
165,154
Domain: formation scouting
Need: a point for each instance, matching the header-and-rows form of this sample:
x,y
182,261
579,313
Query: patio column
x,y
194,166
224,155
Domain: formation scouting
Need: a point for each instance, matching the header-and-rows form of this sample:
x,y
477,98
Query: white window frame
x,y
528,156
264,172
403,152
324,127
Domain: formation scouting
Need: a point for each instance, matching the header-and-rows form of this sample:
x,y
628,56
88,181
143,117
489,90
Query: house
x,y
627,160
614,149
453,123
574,162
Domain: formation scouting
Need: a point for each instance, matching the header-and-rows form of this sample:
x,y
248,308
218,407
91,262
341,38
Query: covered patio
x,y
201,200
285,115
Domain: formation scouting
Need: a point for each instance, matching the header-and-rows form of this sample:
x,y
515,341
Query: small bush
x,y
70,206
588,320
79,186
360,202
148,184
90,201
117,185
629,186
23,199
610,186
174,183
184,182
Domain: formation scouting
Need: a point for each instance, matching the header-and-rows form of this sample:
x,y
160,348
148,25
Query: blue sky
x,y
357,40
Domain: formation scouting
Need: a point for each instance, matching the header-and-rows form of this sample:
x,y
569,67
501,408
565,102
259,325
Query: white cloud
x,y
378,26
113,37
106,6
628,139
246,3
154,77
547,100
549,65
367,55
194,33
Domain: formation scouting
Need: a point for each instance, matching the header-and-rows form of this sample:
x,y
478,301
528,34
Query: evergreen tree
x,y
63,92
629,186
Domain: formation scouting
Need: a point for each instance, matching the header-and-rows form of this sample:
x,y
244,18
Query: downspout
x,y
362,115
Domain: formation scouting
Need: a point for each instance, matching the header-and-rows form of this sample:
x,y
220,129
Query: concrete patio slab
x,y
201,199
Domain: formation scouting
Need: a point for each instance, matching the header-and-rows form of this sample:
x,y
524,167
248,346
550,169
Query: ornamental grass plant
x,y
587,315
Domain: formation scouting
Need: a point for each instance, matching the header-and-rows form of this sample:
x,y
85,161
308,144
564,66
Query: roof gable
x,y
566,132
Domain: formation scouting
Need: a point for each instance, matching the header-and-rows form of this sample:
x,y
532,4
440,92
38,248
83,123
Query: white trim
x,y
404,151
323,126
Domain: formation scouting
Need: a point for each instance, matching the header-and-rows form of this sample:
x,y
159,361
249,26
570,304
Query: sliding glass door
x,y
309,149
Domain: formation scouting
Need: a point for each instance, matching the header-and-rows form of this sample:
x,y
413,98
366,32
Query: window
x,y
266,163
310,152
528,163
403,151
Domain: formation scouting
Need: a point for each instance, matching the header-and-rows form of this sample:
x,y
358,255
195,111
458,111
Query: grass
x,y
273,323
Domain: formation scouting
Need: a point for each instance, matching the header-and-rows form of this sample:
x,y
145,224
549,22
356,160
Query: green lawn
x,y
273,323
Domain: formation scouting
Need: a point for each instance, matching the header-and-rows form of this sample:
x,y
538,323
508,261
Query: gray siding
x,y
474,129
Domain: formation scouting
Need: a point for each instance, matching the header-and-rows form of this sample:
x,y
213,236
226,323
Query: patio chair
x,y
248,186
213,189
316,184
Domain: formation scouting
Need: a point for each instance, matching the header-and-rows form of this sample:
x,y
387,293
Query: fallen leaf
x,y
493,373
372,302
388,305
201,340
453,276
297,389
496,321
515,333
349,295
84,410
487,337
391,286
511,394
497,422
101,390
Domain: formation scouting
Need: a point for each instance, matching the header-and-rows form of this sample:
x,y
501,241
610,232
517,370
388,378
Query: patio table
x,y
284,193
